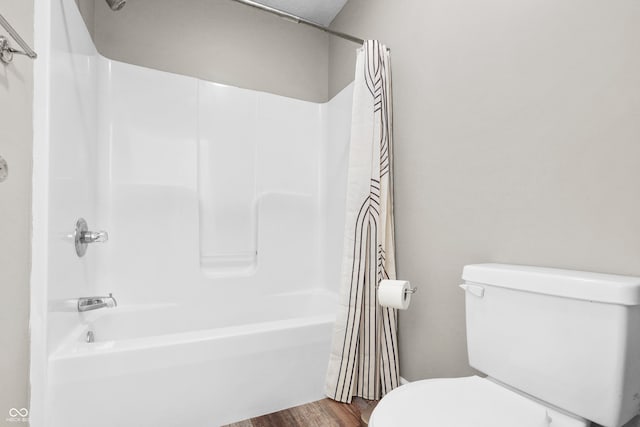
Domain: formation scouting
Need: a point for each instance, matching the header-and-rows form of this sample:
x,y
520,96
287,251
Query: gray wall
x,y
87,9
16,98
517,136
216,40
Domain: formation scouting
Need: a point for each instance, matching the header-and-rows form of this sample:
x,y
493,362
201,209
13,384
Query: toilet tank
x,y
569,338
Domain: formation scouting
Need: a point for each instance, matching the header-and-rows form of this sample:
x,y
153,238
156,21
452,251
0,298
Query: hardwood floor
x,y
323,413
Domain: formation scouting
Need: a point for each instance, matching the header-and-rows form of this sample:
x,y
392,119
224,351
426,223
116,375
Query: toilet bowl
x,y
465,402
561,348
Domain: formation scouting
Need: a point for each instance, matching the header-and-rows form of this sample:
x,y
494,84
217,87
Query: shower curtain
x,y
364,356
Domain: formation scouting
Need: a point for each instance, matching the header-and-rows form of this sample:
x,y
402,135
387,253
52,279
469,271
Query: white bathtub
x,y
196,365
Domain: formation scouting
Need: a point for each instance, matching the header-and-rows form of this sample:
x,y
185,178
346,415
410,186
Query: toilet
x,y
560,348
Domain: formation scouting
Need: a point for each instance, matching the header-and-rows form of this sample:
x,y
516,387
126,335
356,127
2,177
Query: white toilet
x,y
560,348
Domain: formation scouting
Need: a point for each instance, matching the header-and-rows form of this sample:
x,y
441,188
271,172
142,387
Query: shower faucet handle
x,y
83,237
94,237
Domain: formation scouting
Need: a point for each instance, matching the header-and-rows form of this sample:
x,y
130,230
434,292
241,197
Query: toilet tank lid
x,y
605,288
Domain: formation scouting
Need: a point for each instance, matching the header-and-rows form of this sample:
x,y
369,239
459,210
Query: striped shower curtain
x,y
364,355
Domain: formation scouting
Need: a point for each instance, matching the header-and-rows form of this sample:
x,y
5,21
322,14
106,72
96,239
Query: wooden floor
x,y
323,413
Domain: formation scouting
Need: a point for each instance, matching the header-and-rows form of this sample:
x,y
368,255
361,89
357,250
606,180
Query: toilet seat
x,y
464,402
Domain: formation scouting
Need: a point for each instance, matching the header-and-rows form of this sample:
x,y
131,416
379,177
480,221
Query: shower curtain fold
x,y
364,356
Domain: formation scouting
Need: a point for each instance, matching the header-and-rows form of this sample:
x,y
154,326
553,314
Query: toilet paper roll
x,y
392,294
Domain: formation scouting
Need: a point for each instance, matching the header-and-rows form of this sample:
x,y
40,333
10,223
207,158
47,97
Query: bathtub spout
x,y
93,303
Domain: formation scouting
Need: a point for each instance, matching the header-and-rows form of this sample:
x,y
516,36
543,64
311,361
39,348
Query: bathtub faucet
x,y
93,303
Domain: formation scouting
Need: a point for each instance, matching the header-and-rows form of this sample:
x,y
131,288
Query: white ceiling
x,y
319,11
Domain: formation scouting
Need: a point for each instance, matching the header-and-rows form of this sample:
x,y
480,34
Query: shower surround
x,y
224,250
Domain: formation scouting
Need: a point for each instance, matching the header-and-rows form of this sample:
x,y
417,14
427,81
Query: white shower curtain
x,y
364,355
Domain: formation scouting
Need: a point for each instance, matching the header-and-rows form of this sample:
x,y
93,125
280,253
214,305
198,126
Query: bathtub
x,y
191,365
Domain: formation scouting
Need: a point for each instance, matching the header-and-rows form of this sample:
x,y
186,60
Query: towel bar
x,y
6,51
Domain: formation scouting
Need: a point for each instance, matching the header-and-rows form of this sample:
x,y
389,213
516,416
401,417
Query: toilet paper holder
x,y
406,291
395,294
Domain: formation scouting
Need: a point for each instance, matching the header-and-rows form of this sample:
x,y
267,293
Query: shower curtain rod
x,y
299,20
